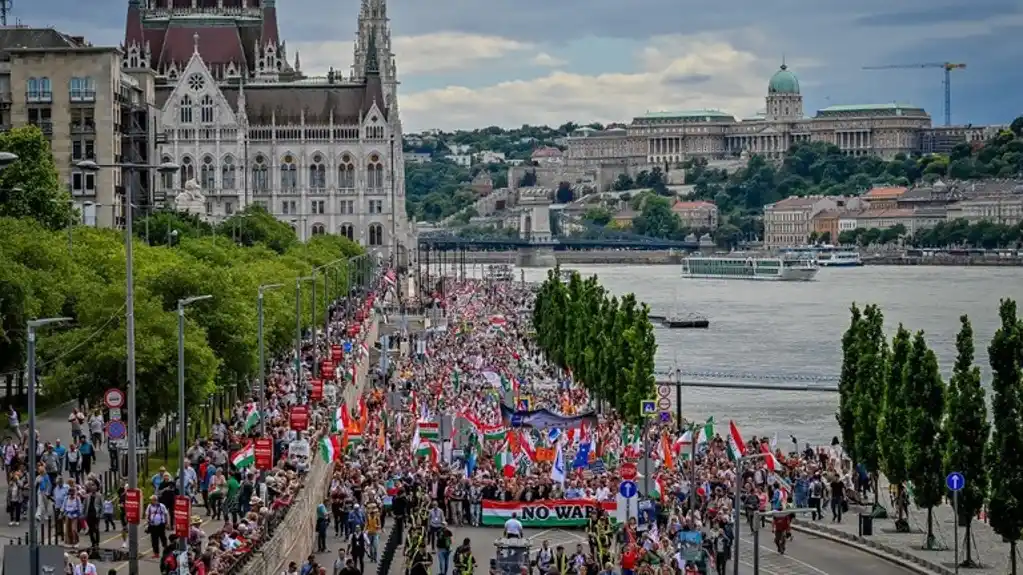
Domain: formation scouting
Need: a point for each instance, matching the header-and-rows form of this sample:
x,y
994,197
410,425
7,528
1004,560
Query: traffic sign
x,y
665,417
348,347
955,481
628,489
114,414
113,398
648,407
116,429
628,471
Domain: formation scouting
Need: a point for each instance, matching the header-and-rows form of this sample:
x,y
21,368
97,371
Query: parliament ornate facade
x,y
668,138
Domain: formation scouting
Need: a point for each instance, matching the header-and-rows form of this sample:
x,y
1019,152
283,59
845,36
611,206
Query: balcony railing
x,y
83,95
5,98
39,96
45,125
79,128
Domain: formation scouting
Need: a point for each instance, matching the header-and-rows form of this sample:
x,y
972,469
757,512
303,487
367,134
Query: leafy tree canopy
x,y
29,187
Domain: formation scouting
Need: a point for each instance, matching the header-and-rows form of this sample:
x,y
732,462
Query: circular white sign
x,y
663,404
113,398
663,390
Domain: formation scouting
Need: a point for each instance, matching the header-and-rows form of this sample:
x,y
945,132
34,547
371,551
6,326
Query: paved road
x,y
805,555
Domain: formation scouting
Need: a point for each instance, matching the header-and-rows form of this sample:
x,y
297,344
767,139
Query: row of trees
x,y
898,417
44,276
607,343
960,232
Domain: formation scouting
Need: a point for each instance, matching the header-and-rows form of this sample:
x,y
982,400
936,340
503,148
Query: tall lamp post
x,y
129,305
33,541
298,327
262,359
182,414
326,299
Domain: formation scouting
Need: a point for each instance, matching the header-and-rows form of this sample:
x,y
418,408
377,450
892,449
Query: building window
x,y
82,149
82,90
206,107
83,183
260,175
208,181
187,171
318,207
289,174
346,173
347,207
376,206
374,173
166,179
185,110
39,90
288,208
227,176
318,230
228,208
317,173
348,231
376,235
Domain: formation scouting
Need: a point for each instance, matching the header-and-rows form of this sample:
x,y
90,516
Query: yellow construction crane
x,y
947,83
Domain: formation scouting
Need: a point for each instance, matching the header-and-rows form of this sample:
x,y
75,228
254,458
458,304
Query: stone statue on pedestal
x,y
191,199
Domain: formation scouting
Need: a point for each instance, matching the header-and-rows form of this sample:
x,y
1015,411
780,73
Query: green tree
x,y
871,357
925,409
847,383
892,424
1006,504
255,225
967,432
29,187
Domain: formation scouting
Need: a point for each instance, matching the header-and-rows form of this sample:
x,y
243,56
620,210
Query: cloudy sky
x,y
476,63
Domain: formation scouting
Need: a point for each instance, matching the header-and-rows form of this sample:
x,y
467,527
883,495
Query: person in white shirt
x,y
512,528
83,567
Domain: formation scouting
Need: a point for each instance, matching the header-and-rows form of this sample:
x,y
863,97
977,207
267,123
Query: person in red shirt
x,y
629,559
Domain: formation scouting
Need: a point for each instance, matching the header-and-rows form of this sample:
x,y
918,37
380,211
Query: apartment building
x,y
85,105
790,221
696,215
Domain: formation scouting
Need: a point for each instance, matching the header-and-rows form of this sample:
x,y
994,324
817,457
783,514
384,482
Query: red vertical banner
x,y
182,515
316,389
299,417
336,353
133,506
327,370
264,448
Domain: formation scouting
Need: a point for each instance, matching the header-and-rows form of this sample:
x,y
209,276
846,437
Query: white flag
x,y
558,469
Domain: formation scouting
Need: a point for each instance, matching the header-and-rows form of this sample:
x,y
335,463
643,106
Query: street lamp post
x,y
182,414
737,503
298,328
326,299
262,359
33,536
129,305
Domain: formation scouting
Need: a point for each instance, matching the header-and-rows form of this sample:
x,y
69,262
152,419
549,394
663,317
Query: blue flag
x,y
582,457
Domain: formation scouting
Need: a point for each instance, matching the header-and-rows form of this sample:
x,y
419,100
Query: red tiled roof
x,y
133,27
887,193
270,26
693,205
547,152
217,45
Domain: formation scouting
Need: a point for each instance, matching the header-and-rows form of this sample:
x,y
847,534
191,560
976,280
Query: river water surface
x,y
790,328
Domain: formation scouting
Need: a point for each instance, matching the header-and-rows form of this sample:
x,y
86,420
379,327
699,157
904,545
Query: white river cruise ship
x,y
749,268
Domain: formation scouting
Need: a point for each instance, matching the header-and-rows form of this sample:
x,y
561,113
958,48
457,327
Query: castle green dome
x,y
783,82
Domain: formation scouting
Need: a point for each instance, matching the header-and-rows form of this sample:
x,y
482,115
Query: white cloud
x,y
676,72
546,60
423,54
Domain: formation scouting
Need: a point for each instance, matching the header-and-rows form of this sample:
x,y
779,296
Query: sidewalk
x,y
988,548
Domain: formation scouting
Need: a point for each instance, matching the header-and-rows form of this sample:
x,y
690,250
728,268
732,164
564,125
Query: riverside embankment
x,y
674,257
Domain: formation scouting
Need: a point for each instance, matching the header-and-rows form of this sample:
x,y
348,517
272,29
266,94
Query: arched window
x,y
376,235
317,173
346,173
289,174
187,170
318,230
260,175
227,177
185,112
166,178
207,109
348,231
208,174
374,173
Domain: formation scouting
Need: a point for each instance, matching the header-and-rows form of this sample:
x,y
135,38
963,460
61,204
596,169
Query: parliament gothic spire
x,y
321,153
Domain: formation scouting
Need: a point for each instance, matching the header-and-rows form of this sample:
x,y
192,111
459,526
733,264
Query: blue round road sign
x,y
955,481
348,347
628,489
116,430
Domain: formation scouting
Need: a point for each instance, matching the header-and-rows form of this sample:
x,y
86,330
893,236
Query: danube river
x,y
786,328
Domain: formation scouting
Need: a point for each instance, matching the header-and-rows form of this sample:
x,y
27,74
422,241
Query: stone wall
x,y
294,537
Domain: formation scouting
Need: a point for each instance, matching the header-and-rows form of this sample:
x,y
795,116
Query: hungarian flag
x,y
505,462
429,451
353,436
769,458
251,417
736,446
428,430
330,448
390,278
244,457
341,419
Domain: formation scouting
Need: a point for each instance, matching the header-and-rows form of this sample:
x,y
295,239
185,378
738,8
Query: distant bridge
x,y
749,381
453,243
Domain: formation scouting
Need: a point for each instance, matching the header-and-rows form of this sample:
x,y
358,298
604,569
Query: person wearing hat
x,y
156,524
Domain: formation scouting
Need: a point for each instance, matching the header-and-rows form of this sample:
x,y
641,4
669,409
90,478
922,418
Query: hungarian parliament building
x,y
668,138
